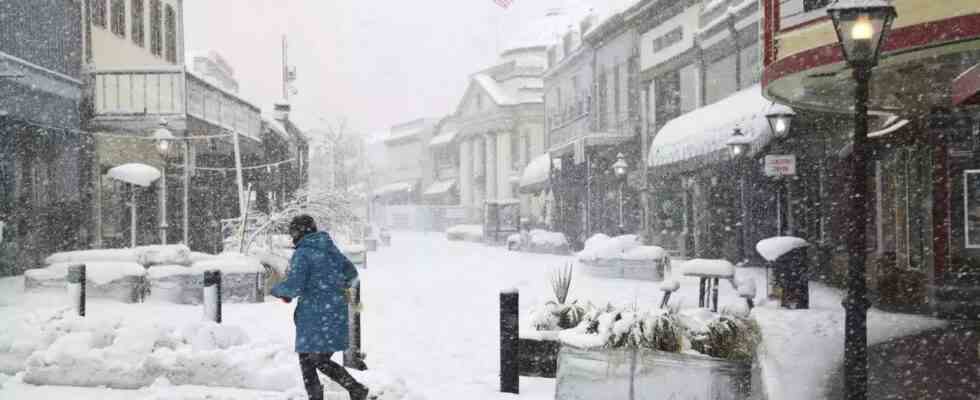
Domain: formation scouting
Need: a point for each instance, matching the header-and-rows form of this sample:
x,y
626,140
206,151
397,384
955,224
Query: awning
x,y
395,188
443,139
700,137
440,187
966,87
537,173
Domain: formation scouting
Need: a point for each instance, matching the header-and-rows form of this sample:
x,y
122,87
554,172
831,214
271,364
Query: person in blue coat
x,y
319,275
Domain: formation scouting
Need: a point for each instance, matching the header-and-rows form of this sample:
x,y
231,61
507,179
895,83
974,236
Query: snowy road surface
x,y
430,320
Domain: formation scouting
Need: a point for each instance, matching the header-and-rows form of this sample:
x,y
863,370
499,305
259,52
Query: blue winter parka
x,y
318,275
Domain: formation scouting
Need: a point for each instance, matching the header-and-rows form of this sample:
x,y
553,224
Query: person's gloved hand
x,y
286,300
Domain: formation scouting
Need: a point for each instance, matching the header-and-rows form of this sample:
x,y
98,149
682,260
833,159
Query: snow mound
x,y
773,248
708,267
100,272
470,233
146,255
600,246
644,253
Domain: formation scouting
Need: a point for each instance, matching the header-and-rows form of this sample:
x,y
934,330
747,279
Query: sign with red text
x,y
780,165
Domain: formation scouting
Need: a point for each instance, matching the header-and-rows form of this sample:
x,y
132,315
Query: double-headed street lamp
x,y
861,27
619,168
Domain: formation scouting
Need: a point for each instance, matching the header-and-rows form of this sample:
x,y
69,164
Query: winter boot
x,y
359,393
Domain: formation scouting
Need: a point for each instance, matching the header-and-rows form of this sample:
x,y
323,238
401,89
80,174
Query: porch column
x,y
503,165
478,152
466,173
490,166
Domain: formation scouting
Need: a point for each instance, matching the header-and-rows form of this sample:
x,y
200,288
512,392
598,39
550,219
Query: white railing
x,y
156,91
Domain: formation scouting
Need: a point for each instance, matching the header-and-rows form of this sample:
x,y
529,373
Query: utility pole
x,y
285,70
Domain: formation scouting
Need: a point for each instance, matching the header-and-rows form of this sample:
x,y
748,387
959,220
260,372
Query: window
x,y
527,148
119,17
720,79
971,205
98,11
156,31
667,98
810,5
615,94
689,88
668,39
171,22
137,22
603,100
515,151
751,71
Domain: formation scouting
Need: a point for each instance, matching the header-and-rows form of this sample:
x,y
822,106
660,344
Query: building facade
x,y
44,157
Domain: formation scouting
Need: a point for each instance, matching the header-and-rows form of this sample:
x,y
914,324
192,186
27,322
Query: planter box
x,y
189,288
127,289
538,355
631,374
648,270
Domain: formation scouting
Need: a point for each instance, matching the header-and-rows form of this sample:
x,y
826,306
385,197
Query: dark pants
x,y
309,363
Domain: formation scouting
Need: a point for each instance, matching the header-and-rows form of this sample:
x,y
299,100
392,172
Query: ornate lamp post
x,y
163,137
861,28
739,146
619,168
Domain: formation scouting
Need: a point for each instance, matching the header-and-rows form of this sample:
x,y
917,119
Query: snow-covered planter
x,y
123,281
242,280
690,354
539,241
624,257
468,233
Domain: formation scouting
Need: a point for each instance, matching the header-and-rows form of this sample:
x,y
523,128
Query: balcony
x,y
136,99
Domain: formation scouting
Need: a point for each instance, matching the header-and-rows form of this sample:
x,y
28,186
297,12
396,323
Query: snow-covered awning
x,y
440,187
700,137
394,188
135,173
443,138
537,172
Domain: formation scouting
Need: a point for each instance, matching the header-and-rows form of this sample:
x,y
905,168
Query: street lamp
x,y
780,120
619,168
739,146
861,28
163,137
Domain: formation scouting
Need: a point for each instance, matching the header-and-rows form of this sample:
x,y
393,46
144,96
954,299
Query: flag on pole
x,y
503,3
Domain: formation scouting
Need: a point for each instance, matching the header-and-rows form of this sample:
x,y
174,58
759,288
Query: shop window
x,y
720,79
667,98
119,17
171,24
98,11
156,30
971,199
137,22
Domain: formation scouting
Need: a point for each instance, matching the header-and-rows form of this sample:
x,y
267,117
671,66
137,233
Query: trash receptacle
x,y
791,272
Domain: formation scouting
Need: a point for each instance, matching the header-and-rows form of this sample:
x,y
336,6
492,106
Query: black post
x,y
742,214
76,276
212,305
714,295
856,302
353,357
509,374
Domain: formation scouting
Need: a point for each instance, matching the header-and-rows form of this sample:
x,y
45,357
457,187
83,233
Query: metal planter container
x,y
617,268
634,374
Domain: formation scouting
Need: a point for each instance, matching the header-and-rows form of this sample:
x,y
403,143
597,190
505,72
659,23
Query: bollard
x,y
509,373
212,295
714,295
76,287
353,357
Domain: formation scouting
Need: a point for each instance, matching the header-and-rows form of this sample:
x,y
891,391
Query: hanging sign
x,y
780,165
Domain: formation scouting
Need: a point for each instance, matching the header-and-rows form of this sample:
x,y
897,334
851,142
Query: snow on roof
x,y
708,129
708,267
443,138
496,92
775,247
394,188
440,187
135,173
537,171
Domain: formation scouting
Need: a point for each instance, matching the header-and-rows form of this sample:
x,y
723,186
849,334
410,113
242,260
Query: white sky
x,y
376,62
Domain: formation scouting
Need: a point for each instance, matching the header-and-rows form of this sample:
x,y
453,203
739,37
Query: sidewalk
x,y
937,364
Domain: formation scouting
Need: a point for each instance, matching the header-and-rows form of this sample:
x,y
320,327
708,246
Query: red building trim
x,y
930,33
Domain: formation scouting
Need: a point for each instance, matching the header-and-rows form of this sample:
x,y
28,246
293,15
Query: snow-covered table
x,y
710,273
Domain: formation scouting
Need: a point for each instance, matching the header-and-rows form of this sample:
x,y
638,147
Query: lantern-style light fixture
x,y
780,120
861,27
738,144
619,167
163,136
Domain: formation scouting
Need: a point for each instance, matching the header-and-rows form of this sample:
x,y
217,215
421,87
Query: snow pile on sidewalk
x,y
469,233
624,247
128,353
539,241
